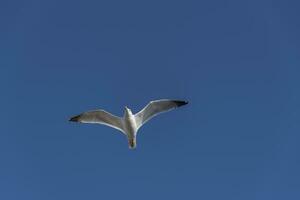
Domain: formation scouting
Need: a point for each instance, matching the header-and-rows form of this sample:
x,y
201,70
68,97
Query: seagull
x,y
130,123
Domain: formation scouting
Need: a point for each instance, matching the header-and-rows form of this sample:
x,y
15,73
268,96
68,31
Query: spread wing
x,y
156,107
99,117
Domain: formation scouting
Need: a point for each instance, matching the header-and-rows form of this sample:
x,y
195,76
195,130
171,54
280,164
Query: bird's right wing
x,y
99,117
156,107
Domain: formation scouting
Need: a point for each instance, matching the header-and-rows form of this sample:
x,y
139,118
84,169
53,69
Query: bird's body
x,y
130,127
130,123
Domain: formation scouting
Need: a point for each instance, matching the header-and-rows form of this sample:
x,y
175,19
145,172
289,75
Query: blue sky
x,y
236,62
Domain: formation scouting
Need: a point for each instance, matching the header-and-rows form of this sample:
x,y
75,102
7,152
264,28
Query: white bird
x,y
129,123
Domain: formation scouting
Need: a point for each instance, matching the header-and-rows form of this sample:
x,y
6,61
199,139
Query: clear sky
x,y
236,62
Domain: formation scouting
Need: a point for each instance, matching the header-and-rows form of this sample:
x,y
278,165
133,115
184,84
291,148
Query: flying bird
x,y
130,123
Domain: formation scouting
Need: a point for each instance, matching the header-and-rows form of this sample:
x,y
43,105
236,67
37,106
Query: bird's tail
x,y
132,143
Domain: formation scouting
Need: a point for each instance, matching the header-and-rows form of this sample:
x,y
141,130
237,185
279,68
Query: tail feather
x,y
132,143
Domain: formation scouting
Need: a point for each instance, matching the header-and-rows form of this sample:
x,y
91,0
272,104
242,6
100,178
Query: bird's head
x,y
127,111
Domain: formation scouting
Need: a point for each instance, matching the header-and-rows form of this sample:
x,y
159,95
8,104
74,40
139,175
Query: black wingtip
x,y
74,119
180,103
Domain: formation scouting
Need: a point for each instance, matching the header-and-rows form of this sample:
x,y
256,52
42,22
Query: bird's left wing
x,y
100,117
156,107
